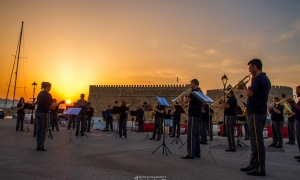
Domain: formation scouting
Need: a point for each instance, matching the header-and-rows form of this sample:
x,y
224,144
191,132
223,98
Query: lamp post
x,y
224,81
33,85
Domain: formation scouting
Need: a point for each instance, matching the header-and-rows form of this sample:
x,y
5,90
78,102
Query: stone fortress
x,y
102,95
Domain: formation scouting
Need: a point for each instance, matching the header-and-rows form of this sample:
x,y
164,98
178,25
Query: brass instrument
x,y
173,111
287,110
153,112
234,88
285,100
178,98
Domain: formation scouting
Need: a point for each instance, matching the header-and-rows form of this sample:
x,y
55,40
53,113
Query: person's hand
x,y
290,100
241,85
220,101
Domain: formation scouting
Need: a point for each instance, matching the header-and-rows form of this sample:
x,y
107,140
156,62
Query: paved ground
x,y
102,156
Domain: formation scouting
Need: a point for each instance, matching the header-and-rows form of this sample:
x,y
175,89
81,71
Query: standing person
x,y
169,122
297,117
176,116
257,94
54,117
230,119
81,117
204,123
291,126
72,118
276,112
140,114
194,120
108,119
20,114
123,119
159,112
210,125
89,115
44,104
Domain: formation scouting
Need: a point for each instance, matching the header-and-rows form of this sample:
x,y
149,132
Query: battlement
x,y
141,86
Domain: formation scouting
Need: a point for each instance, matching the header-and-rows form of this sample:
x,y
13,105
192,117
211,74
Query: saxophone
x,y
153,112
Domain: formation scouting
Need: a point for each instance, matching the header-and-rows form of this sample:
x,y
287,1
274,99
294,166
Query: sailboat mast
x,y
18,57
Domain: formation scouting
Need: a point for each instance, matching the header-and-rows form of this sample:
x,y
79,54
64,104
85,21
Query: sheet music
x,y
202,97
74,111
162,101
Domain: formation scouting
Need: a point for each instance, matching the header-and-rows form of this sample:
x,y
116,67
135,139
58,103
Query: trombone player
x,y
276,112
176,121
297,117
159,112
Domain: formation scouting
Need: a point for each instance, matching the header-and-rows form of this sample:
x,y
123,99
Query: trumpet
x,y
178,98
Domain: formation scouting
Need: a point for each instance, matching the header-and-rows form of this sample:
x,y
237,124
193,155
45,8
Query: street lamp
x,y
31,118
224,81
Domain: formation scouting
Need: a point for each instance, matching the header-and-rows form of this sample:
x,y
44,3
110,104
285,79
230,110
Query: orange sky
x,y
74,44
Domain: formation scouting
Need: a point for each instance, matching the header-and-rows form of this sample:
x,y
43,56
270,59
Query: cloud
x,y
248,41
210,51
295,32
188,47
191,55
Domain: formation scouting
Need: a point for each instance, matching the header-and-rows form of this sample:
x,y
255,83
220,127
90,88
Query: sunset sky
x,y
77,43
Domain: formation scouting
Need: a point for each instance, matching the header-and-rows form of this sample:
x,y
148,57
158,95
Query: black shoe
x,y
247,169
88,131
151,139
298,160
288,142
22,130
246,138
172,136
279,146
157,139
211,139
203,143
297,157
186,157
81,134
125,136
52,129
43,149
255,173
198,156
292,143
57,129
230,150
76,135
272,145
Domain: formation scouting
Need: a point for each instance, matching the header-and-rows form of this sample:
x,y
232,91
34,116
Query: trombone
x,y
285,100
178,98
245,80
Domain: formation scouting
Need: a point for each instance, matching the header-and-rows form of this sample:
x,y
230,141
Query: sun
x,y
68,101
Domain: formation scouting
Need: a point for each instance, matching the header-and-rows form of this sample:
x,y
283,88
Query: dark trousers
x,y
256,124
42,123
81,118
157,127
122,127
87,126
20,121
210,129
141,124
176,128
203,128
246,131
193,137
109,122
291,132
277,132
230,123
298,133
54,121
72,121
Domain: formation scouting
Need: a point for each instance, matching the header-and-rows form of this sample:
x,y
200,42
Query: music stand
x,y
117,110
71,111
147,107
163,102
179,109
29,107
132,113
202,97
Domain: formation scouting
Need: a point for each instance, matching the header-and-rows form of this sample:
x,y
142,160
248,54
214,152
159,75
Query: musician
x,y
257,100
89,115
123,119
297,117
140,115
44,104
276,112
230,119
54,117
81,117
72,118
169,121
291,126
210,125
20,114
108,119
194,120
176,116
204,123
158,118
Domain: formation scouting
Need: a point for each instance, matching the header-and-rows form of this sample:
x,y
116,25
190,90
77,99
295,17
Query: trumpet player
x,y
123,119
257,99
276,112
194,120
169,122
140,117
176,121
297,117
159,112
230,119
291,126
